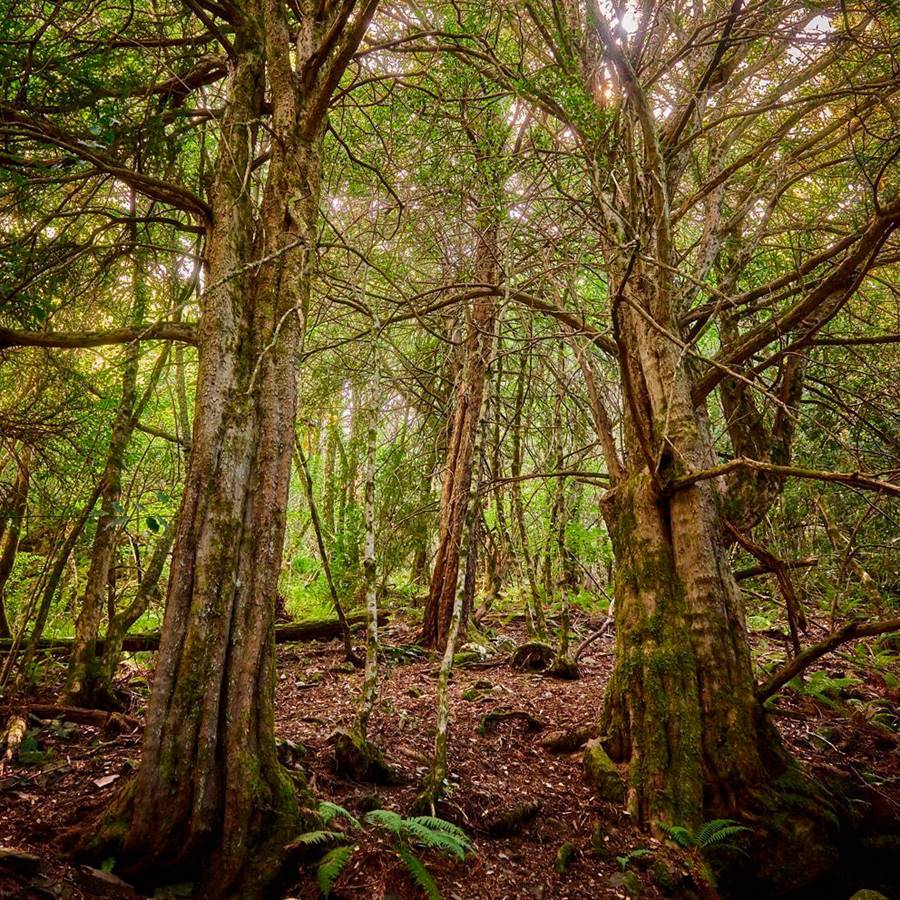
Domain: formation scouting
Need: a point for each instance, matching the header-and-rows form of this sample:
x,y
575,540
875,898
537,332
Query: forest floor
x,y
74,770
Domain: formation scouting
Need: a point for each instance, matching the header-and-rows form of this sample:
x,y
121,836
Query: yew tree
x,y
209,791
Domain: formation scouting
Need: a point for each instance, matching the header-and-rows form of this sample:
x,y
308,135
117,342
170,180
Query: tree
x,y
209,790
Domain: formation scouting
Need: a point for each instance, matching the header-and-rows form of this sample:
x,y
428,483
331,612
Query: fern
x,y
717,832
435,840
331,866
386,819
419,873
679,835
436,824
314,838
328,811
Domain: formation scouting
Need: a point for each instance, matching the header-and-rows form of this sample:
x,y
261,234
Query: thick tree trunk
x,y
681,706
210,801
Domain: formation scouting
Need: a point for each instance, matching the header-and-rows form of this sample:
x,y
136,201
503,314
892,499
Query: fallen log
x,y
100,718
299,632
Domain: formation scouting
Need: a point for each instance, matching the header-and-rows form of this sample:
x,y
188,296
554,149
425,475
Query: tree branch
x,y
71,340
851,479
803,660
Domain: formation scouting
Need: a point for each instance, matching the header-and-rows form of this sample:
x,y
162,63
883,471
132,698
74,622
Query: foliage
x,y
410,837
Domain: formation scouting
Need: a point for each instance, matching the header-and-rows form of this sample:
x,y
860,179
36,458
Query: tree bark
x,y
455,493
14,517
681,706
210,799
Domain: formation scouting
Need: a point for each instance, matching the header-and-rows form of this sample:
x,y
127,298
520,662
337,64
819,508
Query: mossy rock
x,y
535,656
564,857
361,760
603,774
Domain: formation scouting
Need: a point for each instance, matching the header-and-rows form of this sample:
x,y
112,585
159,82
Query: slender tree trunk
x,y
306,478
458,475
210,800
435,782
49,592
534,608
123,619
370,675
14,518
81,688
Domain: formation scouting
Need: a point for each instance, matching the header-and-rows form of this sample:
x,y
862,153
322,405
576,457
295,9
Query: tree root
x,y
360,760
500,715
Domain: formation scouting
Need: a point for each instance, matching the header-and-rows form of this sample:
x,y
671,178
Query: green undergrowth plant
x,y
410,836
714,833
823,687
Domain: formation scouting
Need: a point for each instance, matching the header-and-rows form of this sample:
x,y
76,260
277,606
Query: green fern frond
x,y
717,831
435,840
419,873
679,835
385,818
328,811
437,824
331,866
313,838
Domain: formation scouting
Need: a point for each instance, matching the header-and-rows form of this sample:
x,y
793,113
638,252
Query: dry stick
x,y
306,478
803,660
796,615
756,571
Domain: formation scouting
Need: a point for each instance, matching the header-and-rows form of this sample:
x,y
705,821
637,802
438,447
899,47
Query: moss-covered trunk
x,y
210,802
681,708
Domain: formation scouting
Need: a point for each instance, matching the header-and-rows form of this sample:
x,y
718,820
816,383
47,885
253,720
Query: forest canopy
x,y
546,346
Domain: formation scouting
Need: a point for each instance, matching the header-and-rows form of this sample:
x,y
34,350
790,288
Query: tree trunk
x,y
122,620
82,687
210,801
680,707
14,517
457,479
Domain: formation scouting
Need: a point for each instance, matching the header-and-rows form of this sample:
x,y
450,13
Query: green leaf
x,y
331,866
153,523
420,874
328,811
386,819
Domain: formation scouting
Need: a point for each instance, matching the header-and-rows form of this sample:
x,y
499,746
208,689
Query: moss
x,y
361,760
564,857
603,774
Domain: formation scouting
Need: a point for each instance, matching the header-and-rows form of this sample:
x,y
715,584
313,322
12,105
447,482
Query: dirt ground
x,y
79,767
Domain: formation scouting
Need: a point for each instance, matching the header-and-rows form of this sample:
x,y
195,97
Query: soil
x,y
78,767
